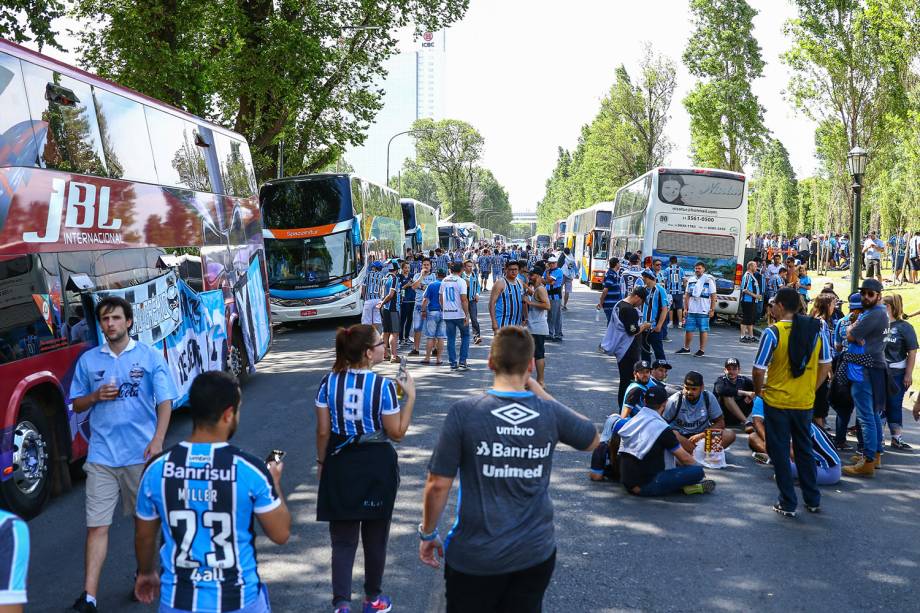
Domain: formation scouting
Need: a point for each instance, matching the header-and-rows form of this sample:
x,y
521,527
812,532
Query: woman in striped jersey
x,y
358,413
506,301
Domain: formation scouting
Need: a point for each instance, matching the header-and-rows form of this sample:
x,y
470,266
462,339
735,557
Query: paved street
x,y
725,552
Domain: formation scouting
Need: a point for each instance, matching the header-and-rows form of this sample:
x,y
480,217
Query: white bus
x,y
696,214
421,225
590,228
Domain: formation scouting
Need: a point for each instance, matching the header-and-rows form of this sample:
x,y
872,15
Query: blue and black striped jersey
x,y
356,400
371,288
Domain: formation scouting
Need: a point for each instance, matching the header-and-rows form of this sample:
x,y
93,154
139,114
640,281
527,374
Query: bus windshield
x,y
303,263
600,244
700,190
291,204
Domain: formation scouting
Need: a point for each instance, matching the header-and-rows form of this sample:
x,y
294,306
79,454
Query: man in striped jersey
x,y
441,259
201,495
613,288
485,266
14,562
674,283
472,281
506,302
370,294
655,312
498,266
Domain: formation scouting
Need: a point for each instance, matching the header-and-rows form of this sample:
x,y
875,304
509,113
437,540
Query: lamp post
x,y
856,161
390,142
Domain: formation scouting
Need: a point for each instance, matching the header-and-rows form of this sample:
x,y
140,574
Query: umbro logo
x,y
515,414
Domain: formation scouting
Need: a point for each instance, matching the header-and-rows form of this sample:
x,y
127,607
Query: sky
x,y
529,74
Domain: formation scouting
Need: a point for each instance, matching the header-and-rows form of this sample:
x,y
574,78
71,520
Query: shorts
x,y
435,326
417,320
390,320
484,274
873,268
104,484
259,605
915,263
539,346
567,284
748,313
677,302
899,262
697,322
370,315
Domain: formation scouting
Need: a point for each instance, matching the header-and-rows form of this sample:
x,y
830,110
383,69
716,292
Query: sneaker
x,y
843,446
81,605
706,486
382,604
682,350
700,353
898,443
463,366
813,509
761,458
454,367
477,340
414,352
783,511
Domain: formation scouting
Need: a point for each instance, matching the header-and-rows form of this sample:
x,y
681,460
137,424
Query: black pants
x,y
405,320
517,592
374,535
625,367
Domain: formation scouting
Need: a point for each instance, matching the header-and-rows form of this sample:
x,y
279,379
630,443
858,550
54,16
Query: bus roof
x,y
24,53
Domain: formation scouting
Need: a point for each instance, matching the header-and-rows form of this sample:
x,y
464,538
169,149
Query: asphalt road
x,y
724,552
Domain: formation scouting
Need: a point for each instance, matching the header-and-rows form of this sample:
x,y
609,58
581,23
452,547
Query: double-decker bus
x,y
590,229
539,242
499,239
322,232
696,214
471,233
558,236
421,225
450,237
104,190
487,236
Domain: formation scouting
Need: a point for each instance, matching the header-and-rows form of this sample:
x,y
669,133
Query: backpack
x,y
680,403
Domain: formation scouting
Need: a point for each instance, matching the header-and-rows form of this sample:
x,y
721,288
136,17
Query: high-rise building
x,y
413,89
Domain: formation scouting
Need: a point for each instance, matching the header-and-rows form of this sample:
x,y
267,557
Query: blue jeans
x,y
452,326
664,327
607,312
894,402
781,425
869,421
672,480
555,318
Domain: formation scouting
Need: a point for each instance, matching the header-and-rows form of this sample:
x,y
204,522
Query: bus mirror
x,y
200,141
58,94
80,282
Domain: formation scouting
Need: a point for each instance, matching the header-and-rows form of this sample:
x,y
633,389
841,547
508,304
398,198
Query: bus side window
x,y
179,158
15,126
64,121
22,326
124,137
235,166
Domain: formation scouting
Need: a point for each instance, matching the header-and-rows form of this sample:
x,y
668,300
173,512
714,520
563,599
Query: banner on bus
x,y
156,308
249,293
197,345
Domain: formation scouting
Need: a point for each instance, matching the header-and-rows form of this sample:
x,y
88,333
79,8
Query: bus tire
x,y
29,486
597,286
238,359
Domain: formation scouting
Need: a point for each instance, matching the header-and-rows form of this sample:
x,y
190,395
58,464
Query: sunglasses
x,y
374,346
868,293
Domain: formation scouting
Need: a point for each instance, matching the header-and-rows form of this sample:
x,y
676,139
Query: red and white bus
x,y
104,189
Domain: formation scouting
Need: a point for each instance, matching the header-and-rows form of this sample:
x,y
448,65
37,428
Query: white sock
x,y
91,599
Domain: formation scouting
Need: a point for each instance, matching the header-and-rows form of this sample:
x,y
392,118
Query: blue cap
x,y
377,264
856,301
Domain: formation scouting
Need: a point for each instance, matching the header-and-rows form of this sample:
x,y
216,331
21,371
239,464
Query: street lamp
x,y
856,161
419,131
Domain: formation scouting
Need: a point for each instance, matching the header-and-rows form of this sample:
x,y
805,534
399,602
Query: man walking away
x,y
127,387
501,552
456,314
203,486
554,282
613,288
794,357
675,286
472,296
699,307
569,271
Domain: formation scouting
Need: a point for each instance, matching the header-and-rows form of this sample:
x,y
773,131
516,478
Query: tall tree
x,y
774,198
301,72
491,208
30,20
418,183
452,149
849,60
726,119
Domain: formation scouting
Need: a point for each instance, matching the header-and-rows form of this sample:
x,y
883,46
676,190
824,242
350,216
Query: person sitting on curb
x,y
735,393
826,458
659,376
648,446
635,392
693,411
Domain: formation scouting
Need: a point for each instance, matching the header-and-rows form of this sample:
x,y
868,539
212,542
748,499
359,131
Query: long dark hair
x,y
350,345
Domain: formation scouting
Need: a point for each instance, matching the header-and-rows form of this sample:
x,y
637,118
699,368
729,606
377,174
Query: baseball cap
x,y
655,396
732,362
648,273
662,364
552,259
377,264
441,272
855,302
641,365
873,285
394,265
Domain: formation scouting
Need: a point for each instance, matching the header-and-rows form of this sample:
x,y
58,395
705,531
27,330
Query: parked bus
x,y
471,234
421,224
449,238
321,233
487,235
569,237
540,242
695,214
106,191
499,239
591,230
558,236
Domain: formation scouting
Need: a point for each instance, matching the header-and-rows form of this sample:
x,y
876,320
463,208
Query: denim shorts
x,y
697,322
434,325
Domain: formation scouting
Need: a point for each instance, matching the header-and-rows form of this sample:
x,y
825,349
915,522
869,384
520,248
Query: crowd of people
x,y
201,498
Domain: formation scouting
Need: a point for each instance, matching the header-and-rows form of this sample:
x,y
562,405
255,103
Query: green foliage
x,y
625,139
726,119
452,150
773,195
30,20
417,182
491,208
302,72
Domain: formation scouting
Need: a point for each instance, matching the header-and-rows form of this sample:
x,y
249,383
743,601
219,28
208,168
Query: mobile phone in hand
x,y
401,376
275,455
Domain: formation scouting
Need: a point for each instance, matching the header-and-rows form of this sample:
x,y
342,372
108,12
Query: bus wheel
x,y
237,360
28,487
597,285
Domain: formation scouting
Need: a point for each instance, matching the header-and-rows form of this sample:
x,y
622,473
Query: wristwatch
x,y
427,537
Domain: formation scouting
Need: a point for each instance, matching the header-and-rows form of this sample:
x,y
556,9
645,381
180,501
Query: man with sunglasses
x,y
868,378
